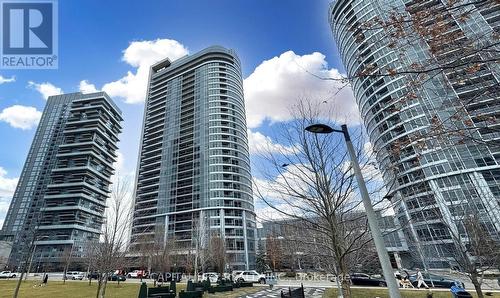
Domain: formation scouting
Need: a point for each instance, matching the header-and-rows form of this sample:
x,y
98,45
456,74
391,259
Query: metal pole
x,y
372,221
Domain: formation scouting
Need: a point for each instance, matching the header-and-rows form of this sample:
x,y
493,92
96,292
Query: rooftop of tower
x,y
99,94
166,64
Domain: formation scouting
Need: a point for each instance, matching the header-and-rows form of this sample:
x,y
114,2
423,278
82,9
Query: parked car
x,y
250,275
437,280
7,274
93,275
362,279
137,274
212,276
74,275
117,277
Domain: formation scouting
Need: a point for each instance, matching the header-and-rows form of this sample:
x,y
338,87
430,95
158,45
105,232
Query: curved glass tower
x,y
436,183
194,168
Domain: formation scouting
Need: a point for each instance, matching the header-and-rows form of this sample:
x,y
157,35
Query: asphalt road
x,y
488,284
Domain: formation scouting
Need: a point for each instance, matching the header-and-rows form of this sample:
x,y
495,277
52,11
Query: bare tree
x,y
200,237
218,257
476,251
66,259
274,251
110,251
161,254
165,256
312,181
468,244
29,236
89,259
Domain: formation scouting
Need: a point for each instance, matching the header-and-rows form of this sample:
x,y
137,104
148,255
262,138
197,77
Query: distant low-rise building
x,y
5,249
294,246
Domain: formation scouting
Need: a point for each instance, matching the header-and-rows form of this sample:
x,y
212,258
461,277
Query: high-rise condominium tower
x,y
194,172
437,181
59,202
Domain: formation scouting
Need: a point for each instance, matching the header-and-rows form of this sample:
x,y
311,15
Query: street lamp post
x,y
370,213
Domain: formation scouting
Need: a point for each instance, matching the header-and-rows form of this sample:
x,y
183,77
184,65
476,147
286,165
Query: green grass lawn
x,y
382,293
56,289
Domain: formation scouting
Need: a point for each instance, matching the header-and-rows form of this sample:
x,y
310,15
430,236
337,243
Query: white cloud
x,y
370,171
268,213
46,89
120,164
368,148
295,178
86,87
7,185
259,143
7,188
22,117
279,83
7,80
279,188
142,54
121,173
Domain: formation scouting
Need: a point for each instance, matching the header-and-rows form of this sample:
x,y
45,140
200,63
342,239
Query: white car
x,y
7,274
136,274
212,276
250,275
74,275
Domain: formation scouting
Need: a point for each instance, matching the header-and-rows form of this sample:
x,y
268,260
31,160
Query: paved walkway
x,y
275,293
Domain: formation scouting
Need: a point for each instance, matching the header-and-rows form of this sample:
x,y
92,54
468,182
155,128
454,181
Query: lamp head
x,y
319,128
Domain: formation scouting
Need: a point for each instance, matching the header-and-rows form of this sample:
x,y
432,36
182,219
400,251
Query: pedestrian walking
x,y
406,283
420,280
45,279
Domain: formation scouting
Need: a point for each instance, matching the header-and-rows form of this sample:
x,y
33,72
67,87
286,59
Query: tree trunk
x,y
99,285
477,285
88,274
196,268
345,285
103,288
18,285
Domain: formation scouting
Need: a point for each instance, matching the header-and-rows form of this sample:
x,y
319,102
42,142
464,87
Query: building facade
x,y
58,205
194,169
437,183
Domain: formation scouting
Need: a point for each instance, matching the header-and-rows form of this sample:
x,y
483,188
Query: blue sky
x,y
275,40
